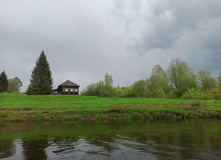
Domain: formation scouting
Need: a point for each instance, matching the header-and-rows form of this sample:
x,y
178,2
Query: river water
x,y
116,139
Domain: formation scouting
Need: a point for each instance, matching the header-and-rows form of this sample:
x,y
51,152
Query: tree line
x,y
40,83
178,81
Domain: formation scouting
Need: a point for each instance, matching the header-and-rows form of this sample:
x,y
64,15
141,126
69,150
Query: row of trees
x,y
178,81
9,85
40,82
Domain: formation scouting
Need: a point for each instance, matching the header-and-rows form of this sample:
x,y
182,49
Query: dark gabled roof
x,y
69,84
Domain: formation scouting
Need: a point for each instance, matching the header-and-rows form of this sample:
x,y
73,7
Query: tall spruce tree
x,y
3,82
41,79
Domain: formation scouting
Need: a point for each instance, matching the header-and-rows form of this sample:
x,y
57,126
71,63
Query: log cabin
x,y
67,88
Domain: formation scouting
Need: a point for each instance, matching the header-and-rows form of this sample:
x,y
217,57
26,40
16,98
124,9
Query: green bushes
x,y
191,94
178,81
214,93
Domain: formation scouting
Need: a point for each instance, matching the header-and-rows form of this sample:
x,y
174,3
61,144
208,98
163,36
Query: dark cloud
x,y
160,24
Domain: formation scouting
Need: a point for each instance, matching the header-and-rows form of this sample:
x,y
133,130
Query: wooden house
x,y
67,88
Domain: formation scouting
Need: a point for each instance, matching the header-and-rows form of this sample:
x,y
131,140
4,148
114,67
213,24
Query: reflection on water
x,y
6,149
185,139
34,149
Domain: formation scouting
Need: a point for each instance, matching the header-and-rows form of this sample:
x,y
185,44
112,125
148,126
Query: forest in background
x,y
178,81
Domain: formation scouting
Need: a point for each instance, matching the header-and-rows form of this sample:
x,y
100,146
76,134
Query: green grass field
x,y
21,107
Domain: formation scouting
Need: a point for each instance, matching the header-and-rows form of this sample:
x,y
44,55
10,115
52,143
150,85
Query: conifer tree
x,y
41,79
3,82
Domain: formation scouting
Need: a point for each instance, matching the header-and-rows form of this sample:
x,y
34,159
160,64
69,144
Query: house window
x,y
65,89
70,90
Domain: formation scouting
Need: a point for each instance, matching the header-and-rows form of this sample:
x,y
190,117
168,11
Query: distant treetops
x,y
41,79
178,81
40,83
12,85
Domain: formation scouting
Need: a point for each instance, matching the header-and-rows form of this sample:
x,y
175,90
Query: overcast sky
x,y
85,39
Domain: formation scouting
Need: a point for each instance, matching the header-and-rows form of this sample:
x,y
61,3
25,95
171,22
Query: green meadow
x,y
21,107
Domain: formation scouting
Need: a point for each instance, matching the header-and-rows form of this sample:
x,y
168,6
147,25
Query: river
x,y
115,139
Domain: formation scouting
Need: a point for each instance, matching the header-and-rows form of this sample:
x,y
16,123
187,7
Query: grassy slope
x,y
19,107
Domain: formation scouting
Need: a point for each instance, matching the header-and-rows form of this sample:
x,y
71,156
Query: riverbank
x,y
21,107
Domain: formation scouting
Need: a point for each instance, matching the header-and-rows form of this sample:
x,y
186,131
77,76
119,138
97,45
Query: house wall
x,y
68,90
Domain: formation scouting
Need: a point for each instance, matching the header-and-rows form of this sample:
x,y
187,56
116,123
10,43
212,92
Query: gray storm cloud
x,y
85,39
160,24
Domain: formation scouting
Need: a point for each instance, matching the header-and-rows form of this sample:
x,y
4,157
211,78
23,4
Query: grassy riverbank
x,y
20,107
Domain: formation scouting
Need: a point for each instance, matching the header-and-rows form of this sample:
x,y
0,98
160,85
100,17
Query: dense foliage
x,y
3,82
178,81
102,88
14,85
41,78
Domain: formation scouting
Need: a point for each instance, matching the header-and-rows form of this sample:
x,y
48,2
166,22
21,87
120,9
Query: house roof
x,y
68,83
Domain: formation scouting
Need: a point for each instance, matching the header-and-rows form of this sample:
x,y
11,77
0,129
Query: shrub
x,y
191,94
158,93
214,93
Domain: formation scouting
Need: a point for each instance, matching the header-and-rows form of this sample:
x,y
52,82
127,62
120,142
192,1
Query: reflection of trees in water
x,y
191,139
215,145
63,144
7,149
105,141
34,149
214,139
186,139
